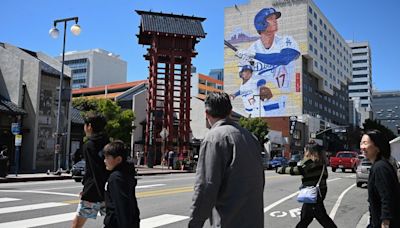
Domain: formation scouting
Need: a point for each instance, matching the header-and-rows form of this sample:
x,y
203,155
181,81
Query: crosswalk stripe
x,y
150,186
6,199
160,220
30,207
41,221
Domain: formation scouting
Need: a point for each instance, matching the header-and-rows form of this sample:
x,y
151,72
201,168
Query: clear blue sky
x,y
112,25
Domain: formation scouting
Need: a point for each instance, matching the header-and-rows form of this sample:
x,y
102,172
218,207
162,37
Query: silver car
x,y
362,172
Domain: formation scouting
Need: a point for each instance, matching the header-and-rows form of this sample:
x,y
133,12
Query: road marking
x,y
334,179
46,189
142,186
41,192
364,221
161,220
295,212
6,199
30,207
150,186
279,202
164,192
278,214
269,207
35,183
351,176
337,204
41,221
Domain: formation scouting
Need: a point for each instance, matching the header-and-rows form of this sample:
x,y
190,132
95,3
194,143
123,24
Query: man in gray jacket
x,y
230,176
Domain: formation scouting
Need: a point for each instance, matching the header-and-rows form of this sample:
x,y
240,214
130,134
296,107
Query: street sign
x,y
18,140
164,133
15,128
313,135
292,124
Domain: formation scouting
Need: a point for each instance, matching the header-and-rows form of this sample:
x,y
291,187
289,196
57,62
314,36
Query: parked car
x,y
345,160
78,170
277,162
295,160
362,173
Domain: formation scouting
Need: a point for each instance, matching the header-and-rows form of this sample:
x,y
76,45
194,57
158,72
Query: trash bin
x,y
3,166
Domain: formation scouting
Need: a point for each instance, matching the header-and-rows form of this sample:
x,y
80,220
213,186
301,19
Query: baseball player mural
x,y
267,67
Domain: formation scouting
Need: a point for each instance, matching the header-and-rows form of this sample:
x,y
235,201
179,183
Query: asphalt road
x,y
164,201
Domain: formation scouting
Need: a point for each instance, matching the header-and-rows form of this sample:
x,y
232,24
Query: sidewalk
x,y
141,171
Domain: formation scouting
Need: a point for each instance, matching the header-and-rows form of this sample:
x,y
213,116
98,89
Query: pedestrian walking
x,y
230,177
121,205
171,156
314,172
92,196
383,185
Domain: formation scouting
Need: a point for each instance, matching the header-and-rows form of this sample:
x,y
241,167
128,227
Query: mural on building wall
x,y
45,139
45,106
264,63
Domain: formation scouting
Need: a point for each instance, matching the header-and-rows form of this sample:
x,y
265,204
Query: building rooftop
x,y
171,24
112,88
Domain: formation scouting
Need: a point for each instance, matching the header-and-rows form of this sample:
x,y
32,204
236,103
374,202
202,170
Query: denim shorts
x,y
90,210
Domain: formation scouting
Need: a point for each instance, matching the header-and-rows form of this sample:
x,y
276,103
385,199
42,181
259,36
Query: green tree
x,y
257,126
119,121
375,124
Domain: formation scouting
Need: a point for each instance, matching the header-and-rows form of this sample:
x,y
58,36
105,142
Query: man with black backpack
x,y
96,175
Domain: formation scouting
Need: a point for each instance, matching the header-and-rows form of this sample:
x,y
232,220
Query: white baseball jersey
x,y
280,75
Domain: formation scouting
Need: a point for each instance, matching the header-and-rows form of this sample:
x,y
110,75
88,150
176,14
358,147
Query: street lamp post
x,y
54,32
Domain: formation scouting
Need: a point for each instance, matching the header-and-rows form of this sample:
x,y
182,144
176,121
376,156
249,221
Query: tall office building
x,y
361,85
386,107
95,67
217,74
303,71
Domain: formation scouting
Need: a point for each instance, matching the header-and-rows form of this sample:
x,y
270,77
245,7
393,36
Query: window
x,y
316,51
358,83
358,90
360,61
310,22
320,22
315,40
360,76
353,48
320,34
325,26
360,54
321,45
315,63
315,15
310,47
310,35
360,68
315,27
364,105
310,9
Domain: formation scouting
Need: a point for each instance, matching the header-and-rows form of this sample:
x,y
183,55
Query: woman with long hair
x,y
311,168
383,185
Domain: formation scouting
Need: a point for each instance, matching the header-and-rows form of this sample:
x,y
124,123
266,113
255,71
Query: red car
x,y
345,160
